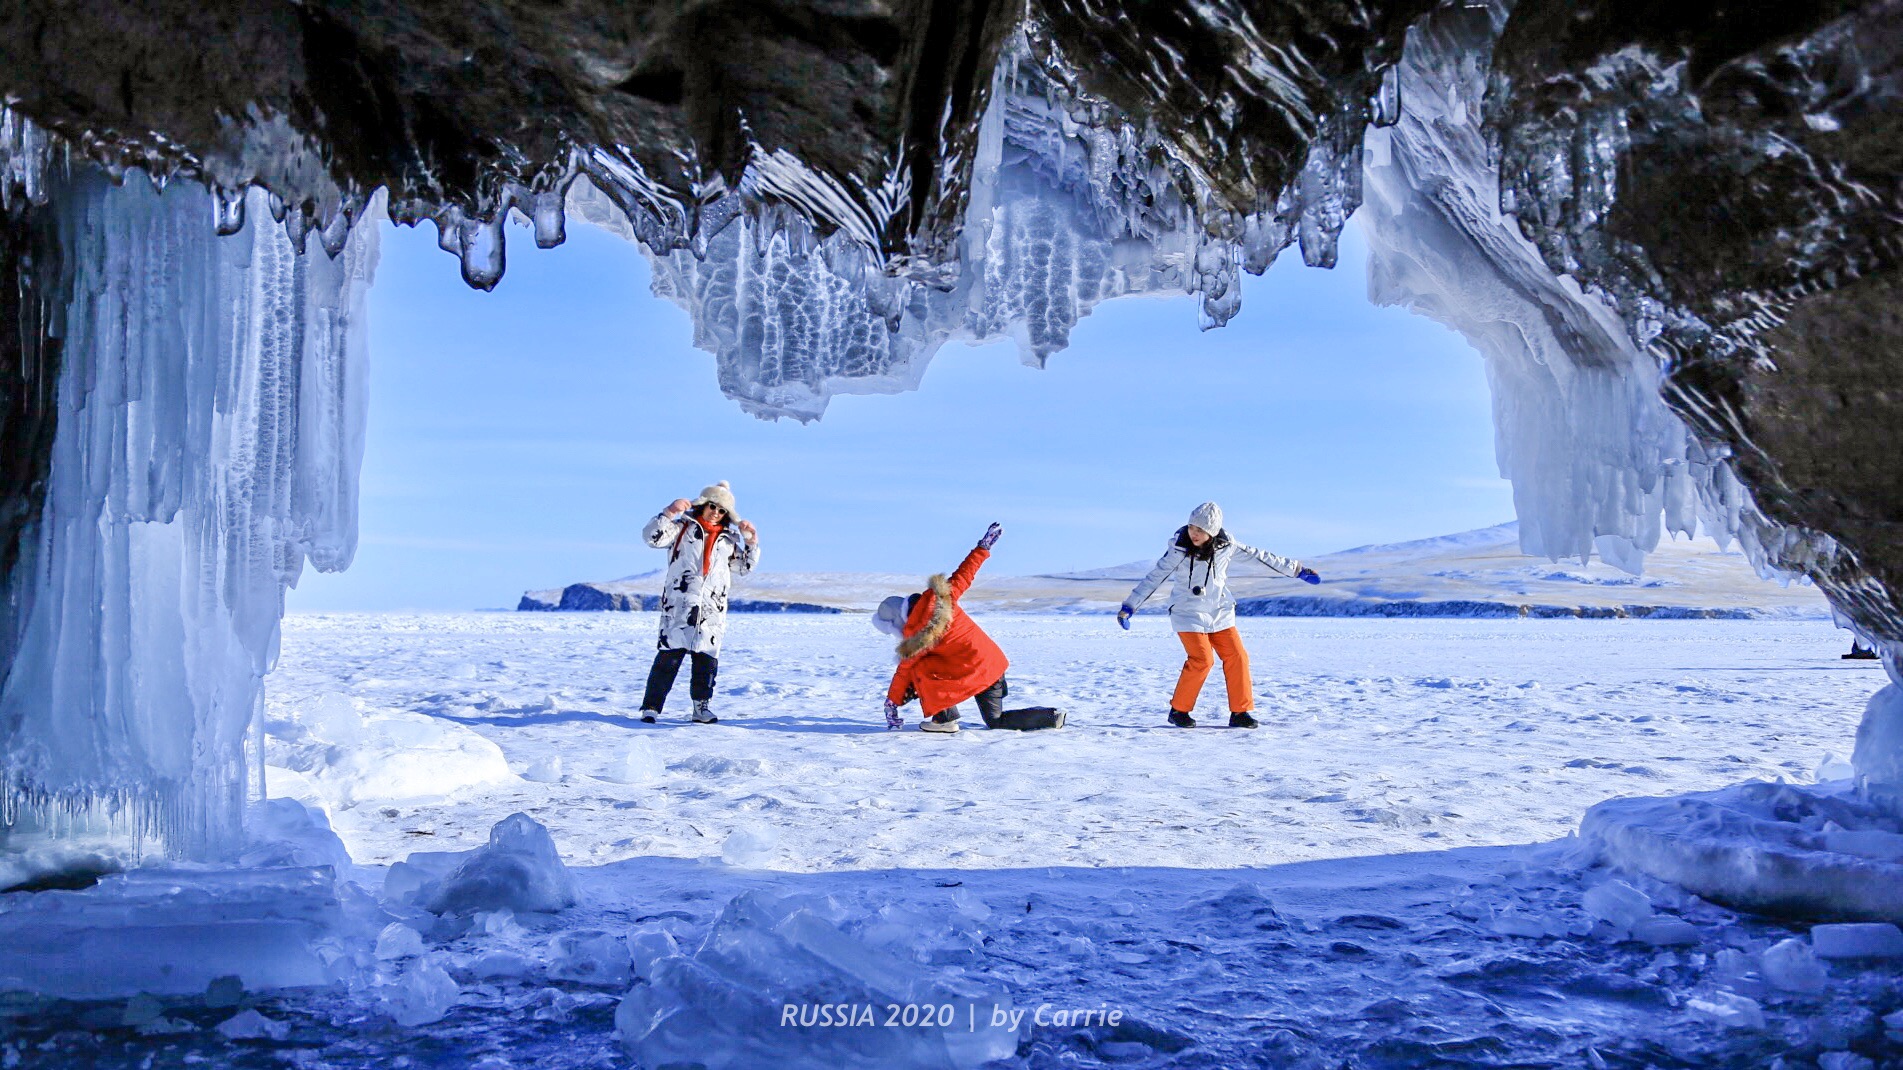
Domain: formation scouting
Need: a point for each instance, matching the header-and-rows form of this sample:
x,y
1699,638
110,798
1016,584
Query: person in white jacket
x,y
1203,610
707,547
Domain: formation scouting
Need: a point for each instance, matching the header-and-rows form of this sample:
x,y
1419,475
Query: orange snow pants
x,y
1235,669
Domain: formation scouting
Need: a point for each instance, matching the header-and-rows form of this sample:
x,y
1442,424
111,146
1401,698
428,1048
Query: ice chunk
x,y
491,965
1663,930
590,957
408,882
519,870
398,941
647,947
411,756
423,993
1844,1060
333,718
1857,940
285,832
750,996
170,932
1749,846
498,924
1790,965
250,1025
1510,924
1834,768
750,848
638,765
546,770
1618,903
1728,1009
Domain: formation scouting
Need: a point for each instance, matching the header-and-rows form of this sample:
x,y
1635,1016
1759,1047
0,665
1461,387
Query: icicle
x,y
335,231
297,227
547,214
481,248
227,210
1387,99
449,229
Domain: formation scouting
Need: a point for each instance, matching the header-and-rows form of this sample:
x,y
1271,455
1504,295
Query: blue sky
x,y
519,439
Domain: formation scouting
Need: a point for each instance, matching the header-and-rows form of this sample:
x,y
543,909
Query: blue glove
x,y
990,537
893,721
1124,613
1307,575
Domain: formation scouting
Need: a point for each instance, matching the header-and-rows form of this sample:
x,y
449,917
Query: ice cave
x,y
1672,232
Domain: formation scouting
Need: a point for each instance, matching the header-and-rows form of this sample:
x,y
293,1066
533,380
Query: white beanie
x,y
890,617
1207,516
720,494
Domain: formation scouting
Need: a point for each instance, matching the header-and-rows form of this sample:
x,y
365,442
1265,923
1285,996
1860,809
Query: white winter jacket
x,y
694,606
1201,600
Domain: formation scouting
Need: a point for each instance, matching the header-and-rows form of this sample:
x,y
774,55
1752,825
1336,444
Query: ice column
x,y
209,432
1597,462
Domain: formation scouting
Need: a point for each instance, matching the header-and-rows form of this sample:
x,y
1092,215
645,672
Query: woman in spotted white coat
x,y
707,547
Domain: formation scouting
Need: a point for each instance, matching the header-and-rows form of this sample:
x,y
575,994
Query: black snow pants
x,y
991,708
667,665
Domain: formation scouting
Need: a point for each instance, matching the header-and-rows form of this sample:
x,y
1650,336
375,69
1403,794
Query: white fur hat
x,y
720,494
1207,516
891,615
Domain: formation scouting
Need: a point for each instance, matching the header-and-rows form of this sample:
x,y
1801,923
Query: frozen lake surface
x,y
1377,737
1379,876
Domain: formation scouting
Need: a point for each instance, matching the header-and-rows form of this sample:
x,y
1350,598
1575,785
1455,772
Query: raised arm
x,y
967,572
746,555
666,524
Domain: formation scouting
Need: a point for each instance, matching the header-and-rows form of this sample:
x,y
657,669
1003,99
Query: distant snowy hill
x,y
1471,573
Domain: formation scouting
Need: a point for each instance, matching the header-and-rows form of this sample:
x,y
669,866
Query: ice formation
x,y
210,400
1598,464
1071,205
518,870
738,1000
347,758
167,931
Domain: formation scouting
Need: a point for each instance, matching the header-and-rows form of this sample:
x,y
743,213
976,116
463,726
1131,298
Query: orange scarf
x,y
712,532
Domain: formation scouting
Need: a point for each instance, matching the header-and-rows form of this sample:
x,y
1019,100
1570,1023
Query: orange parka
x,y
945,658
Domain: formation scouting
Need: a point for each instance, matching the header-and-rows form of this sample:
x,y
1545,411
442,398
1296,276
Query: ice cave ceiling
x,y
1694,207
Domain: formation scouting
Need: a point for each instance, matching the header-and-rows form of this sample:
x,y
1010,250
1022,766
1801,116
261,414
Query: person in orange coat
x,y
944,657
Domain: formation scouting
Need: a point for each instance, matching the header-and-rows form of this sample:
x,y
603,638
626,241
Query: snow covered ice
x,y
1347,872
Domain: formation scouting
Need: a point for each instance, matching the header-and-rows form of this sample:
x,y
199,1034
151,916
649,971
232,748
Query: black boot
x,y
1241,720
648,716
1181,719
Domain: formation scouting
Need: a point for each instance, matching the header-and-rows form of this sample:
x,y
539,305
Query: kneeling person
x,y
945,658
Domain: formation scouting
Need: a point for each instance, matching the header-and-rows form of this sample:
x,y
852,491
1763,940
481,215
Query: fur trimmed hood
x,y
936,626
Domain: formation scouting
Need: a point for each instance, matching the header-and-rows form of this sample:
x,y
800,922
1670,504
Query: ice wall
x,y
210,426
1597,462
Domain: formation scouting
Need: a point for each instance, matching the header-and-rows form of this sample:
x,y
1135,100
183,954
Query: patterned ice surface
x,y
210,427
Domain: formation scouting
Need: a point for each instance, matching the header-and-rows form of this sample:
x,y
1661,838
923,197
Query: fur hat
x,y
890,617
719,494
1207,516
